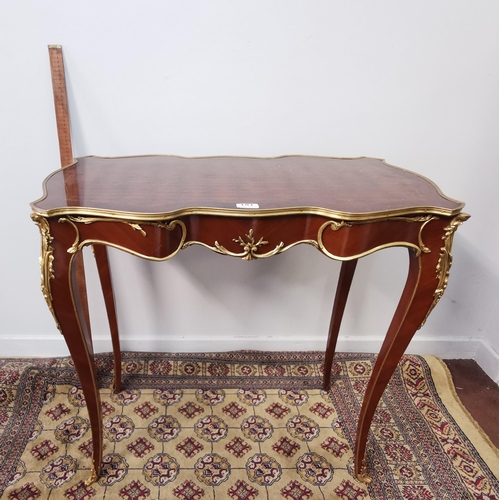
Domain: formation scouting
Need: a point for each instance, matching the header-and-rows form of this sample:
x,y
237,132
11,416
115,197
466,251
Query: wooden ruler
x,y
61,104
66,153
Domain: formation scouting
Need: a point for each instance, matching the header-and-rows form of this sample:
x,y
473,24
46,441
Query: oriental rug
x,y
243,426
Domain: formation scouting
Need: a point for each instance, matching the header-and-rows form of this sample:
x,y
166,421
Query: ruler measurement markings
x,y
61,104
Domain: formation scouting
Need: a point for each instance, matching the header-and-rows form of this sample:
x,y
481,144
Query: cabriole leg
x,y
61,290
414,303
102,261
343,287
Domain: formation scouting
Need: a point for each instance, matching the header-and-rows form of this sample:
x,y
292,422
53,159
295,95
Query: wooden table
x,y
251,208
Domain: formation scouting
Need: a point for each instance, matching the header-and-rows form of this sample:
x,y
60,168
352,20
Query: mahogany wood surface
x,y
156,206
166,184
102,262
344,285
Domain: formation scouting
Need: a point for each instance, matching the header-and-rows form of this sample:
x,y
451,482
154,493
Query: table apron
x,y
248,238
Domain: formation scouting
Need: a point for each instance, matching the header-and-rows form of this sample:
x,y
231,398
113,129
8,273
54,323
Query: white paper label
x,y
247,205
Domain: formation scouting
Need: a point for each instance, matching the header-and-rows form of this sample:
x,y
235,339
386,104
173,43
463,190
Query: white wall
x,y
413,82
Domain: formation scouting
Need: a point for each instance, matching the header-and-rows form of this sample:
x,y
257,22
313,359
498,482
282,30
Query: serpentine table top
x,y
351,188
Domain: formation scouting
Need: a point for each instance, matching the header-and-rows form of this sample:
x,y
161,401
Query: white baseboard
x,y
444,347
487,358
33,346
